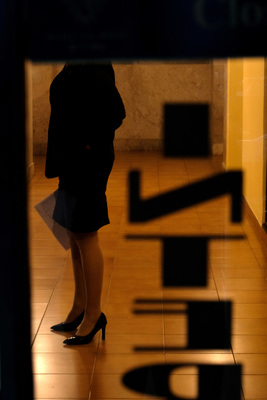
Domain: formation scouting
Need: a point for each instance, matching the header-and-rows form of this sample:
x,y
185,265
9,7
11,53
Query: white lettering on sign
x,y
83,10
249,14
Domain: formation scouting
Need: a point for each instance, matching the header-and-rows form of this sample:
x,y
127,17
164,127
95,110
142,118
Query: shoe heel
x,y
101,324
104,332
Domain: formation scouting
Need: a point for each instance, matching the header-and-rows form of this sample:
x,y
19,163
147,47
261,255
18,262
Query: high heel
x,y
100,324
68,326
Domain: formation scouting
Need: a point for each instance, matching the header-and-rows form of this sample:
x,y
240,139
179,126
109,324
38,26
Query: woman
x,y
86,109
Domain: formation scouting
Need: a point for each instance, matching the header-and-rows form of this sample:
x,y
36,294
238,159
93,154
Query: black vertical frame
x,y
265,144
15,335
177,30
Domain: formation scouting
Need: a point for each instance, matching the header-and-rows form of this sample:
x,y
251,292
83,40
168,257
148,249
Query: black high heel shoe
x,y
100,324
68,326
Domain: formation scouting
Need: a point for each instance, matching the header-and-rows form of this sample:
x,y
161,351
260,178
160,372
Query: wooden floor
x,y
238,271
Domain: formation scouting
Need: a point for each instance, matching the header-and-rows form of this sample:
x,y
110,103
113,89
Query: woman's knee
x,y
85,239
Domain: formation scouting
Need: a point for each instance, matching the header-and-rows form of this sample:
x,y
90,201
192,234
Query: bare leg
x,y
93,266
80,294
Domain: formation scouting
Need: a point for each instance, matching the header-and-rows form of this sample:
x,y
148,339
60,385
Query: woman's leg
x,y
79,300
93,266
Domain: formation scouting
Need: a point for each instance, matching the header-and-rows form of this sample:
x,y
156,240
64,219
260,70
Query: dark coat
x,y
86,109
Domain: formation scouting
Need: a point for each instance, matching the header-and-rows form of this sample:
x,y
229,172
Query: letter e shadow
x,y
209,324
185,261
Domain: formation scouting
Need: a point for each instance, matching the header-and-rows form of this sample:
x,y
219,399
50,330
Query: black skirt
x,y
81,204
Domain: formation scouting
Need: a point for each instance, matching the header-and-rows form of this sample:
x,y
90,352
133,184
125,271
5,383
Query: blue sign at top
x,y
145,29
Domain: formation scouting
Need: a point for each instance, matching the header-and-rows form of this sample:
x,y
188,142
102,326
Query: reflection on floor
x,y
238,271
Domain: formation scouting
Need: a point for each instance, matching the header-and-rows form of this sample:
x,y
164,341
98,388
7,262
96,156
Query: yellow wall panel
x,y
245,140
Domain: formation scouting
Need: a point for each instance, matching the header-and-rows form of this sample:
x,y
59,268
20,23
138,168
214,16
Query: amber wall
x,y
246,129
144,87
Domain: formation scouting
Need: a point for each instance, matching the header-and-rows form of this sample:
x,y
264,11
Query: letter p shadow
x,y
215,382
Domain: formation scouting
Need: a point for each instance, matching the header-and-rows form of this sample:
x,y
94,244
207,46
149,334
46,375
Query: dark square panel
x,y
186,130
